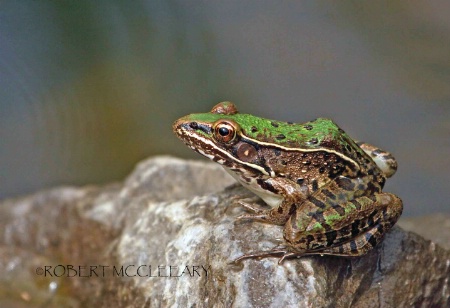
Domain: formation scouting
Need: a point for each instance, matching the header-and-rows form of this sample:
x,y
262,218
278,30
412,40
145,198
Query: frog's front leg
x,y
282,194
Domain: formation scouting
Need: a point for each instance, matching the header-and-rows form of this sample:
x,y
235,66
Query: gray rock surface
x,y
176,217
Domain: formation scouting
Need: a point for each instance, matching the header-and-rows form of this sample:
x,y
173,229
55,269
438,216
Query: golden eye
x,y
225,131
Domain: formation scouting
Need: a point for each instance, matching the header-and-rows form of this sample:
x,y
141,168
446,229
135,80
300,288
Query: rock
x,y
175,219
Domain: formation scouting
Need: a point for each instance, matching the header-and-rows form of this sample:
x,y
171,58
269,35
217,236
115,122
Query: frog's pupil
x,y
223,131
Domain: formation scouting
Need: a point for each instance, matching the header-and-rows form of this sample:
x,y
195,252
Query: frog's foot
x,y
257,213
281,252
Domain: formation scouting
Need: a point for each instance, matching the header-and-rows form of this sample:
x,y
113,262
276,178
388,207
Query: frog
x,y
322,186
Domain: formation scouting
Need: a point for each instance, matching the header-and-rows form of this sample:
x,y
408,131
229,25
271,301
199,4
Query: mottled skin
x,y
322,186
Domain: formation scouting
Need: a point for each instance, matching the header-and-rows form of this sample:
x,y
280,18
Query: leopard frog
x,y
321,185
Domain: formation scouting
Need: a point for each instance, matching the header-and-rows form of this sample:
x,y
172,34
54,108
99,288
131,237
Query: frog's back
x,y
316,134
319,134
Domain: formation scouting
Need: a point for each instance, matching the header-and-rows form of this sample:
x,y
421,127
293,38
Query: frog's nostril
x,y
193,125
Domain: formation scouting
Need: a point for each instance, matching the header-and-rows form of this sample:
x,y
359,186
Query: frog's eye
x,y
225,131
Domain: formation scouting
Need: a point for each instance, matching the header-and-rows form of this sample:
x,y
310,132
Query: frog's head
x,y
240,141
216,134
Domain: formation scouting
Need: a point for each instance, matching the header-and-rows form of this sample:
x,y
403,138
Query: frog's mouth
x,y
196,136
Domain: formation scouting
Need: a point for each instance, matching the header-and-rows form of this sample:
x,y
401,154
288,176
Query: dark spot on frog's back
x,y
345,183
315,185
280,137
317,202
314,141
339,209
348,148
328,194
274,124
277,152
254,129
308,127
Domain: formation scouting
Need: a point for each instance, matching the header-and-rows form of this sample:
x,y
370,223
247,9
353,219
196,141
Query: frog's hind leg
x,y
348,229
358,246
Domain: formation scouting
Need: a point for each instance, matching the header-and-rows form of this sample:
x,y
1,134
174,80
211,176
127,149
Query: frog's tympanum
x,y
321,185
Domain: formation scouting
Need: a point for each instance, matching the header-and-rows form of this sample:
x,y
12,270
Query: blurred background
x,y
90,88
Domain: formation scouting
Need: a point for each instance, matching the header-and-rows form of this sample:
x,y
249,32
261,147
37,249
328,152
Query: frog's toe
x,y
260,217
289,255
250,207
276,252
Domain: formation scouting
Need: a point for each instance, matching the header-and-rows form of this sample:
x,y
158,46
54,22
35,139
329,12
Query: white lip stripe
x,y
204,140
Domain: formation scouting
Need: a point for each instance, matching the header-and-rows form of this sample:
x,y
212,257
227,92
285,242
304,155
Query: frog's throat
x,y
270,198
